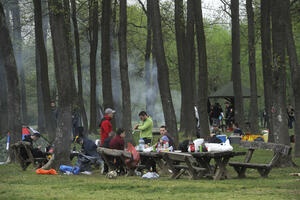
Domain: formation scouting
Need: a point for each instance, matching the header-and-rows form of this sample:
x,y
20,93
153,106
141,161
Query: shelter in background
x,y
227,93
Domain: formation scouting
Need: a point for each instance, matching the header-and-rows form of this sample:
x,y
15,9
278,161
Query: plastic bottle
x,y
167,146
141,144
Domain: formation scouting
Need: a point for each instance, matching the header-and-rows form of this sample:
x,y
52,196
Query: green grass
x,y
16,184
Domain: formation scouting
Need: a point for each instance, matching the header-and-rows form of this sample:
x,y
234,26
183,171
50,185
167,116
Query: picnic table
x,y
218,170
198,164
157,158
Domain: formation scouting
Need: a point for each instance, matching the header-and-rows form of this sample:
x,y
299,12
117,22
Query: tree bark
x,y
203,73
180,44
236,65
3,100
42,64
126,103
295,73
78,64
280,126
266,62
17,43
13,88
115,67
105,55
59,33
252,68
93,31
163,73
45,18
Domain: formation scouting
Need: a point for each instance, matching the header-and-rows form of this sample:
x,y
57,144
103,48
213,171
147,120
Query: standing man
x,y
145,127
105,124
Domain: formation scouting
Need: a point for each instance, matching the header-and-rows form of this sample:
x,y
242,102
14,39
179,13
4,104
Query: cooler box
x,y
235,139
222,137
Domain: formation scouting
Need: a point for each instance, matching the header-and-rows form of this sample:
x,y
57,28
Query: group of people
x,y
216,115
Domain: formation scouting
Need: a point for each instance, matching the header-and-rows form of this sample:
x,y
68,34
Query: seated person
x,y
36,152
89,148
166,136
117,142
215,129
236,130
106,142
213,138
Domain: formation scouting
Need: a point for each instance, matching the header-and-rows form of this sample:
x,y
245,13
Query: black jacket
x,y
214,139
89,147
107,141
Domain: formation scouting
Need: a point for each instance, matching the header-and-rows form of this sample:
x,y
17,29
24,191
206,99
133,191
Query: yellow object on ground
x,y
251,137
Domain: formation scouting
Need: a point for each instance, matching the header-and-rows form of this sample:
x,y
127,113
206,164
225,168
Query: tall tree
x,y
266,62
280,127
63,72
93,35
163,72
180,44
126,103
295,73
42,65
203,73
13,88
78,64
105,55
252,68
3,100
45,20
17,42
236,64
115,67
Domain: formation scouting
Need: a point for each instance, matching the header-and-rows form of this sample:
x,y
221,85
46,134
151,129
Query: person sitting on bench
x,y
213,138
36,152
118,143
89,154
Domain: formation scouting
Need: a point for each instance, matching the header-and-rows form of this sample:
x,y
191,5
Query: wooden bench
x,y
37,162
175,160
107,154
263,169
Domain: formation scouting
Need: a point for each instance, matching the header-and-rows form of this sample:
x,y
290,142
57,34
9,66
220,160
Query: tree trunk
x,y
42,64
115,68
126,103
180,44
163,73
66,5
236,65
78,64
17,43
3,100
148,74
93,30
280,131
252,69
266,62
105,55
11,71
45,18
295,73
59,34
203,73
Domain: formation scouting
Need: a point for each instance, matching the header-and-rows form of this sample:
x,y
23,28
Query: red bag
x,y
43,171
131,163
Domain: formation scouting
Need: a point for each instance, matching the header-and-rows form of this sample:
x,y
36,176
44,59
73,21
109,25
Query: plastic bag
x,y
219,147
150,175
131,163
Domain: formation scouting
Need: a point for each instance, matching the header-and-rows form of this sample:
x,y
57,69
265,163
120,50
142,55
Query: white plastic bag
x,y
150,175
215,147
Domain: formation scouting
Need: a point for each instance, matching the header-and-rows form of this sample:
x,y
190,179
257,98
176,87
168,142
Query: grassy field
x,y
16,184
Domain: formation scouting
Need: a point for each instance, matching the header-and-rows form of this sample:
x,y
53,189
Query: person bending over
x,y
145,127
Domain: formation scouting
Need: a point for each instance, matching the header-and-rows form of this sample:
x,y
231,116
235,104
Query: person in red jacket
x,y
105,125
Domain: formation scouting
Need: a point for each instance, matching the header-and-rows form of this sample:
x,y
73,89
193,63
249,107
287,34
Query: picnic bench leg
x,y
108,163
221,168
162,165
194,175
241,171
204,162
264,172
176,173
